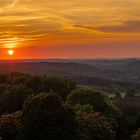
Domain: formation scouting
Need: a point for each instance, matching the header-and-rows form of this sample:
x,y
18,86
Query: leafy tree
x,y
98,100
94,127
137,122
62,86
45,117
136,136
34,83
129,95
4,88
83,108
126,127
8,126
13,78
100,103
13,99
118,96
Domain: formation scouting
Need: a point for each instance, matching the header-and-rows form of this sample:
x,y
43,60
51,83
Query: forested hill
x,y
103,73
54,68
127,70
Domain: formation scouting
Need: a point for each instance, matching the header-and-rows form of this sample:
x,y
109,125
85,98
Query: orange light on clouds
x,y
11,45
82,28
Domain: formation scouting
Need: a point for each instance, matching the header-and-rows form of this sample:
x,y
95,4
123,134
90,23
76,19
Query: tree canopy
x,y
45,117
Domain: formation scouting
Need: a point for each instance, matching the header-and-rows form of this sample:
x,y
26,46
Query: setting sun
x,y
10,52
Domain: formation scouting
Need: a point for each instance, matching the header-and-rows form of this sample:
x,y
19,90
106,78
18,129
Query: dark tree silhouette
x,y
46,118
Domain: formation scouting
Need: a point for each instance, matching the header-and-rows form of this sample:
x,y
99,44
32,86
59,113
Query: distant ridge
x,y
125,70
71,60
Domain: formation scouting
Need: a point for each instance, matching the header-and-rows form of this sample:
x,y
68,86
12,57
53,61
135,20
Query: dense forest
x,y
43,107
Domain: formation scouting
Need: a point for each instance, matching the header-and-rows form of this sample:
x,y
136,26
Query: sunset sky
x,y
69,28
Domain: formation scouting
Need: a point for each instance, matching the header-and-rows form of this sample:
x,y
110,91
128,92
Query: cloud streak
x,y
125,27
45,20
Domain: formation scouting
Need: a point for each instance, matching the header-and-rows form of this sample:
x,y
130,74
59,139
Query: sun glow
x,y
11,45
10,52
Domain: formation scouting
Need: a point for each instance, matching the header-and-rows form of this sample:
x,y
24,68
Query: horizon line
x,y
115,58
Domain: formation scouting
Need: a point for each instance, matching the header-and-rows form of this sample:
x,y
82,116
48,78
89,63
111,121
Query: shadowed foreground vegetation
x,y
52,108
